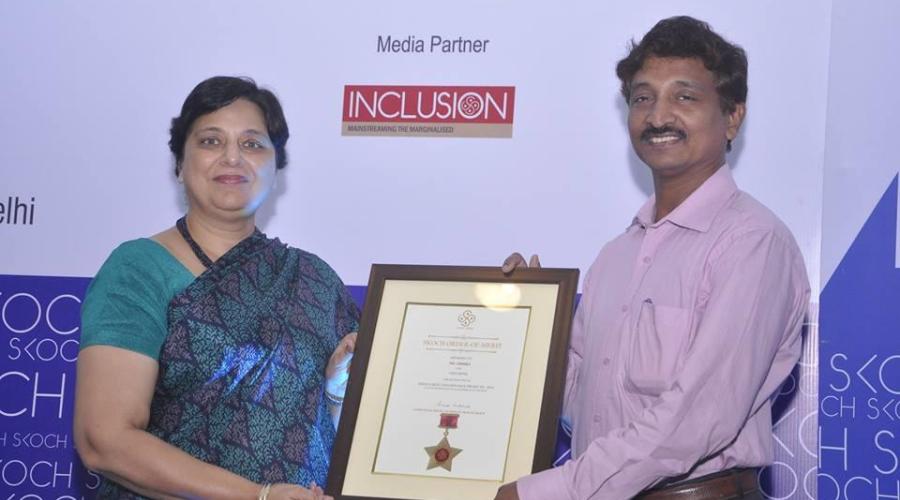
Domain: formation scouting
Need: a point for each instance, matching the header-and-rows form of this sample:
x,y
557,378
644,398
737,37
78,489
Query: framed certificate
x,y
456,382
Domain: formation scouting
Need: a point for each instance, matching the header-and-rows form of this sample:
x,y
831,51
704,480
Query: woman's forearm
x,y
146,464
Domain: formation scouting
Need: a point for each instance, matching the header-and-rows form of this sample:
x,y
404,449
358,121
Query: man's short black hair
x,y
686,37
220,91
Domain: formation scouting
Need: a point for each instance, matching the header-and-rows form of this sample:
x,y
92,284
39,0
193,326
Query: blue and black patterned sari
x,y
241,373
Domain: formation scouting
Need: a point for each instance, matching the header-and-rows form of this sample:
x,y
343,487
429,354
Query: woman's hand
x,y
284,491
338,370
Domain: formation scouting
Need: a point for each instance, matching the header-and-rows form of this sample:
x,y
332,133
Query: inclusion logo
x,y
433,111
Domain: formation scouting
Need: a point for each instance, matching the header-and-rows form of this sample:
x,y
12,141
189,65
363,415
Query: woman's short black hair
x,y
686,37
220,91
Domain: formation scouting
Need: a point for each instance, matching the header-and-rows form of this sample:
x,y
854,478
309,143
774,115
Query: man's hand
x,y
507,491
517,260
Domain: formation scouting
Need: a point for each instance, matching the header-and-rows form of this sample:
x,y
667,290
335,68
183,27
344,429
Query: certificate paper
x,y
461,361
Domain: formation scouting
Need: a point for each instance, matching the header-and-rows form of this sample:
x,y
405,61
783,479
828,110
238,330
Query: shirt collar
x,y
699,209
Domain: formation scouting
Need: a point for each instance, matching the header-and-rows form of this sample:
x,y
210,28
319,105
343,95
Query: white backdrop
x,y
90,87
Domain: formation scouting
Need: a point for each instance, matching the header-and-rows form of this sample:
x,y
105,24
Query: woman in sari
x,y
212,356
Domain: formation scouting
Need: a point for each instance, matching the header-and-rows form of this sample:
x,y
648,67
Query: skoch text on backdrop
x,y
432,44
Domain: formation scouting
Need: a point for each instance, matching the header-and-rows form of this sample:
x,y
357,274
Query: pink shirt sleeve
x,y
747,342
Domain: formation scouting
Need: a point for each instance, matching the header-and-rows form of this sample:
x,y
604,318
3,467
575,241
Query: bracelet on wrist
x,y
264,492
332,399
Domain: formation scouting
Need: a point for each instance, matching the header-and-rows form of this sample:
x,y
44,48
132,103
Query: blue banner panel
x,y
859,392
40,326
40,331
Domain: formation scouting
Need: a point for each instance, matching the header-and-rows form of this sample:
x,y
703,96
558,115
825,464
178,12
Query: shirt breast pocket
x,y
658,346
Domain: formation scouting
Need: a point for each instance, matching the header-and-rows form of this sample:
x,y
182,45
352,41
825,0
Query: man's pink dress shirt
x,y
686,329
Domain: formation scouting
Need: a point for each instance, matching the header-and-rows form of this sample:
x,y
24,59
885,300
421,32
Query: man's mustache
x,y
651,131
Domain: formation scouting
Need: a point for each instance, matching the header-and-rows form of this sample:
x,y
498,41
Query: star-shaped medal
x,y
442,454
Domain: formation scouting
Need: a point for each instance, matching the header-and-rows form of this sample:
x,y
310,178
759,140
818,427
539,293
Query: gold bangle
x,y
264,492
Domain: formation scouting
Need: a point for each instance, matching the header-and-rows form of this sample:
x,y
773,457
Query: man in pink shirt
x,y
689,321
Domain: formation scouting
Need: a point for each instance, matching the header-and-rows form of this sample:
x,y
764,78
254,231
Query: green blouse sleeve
x,y
126,303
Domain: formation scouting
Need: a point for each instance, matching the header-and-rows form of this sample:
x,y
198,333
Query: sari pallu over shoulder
x,y
241,373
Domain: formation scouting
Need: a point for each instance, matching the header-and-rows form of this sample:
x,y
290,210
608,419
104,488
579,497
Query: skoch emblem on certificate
x,y
442,454
466,319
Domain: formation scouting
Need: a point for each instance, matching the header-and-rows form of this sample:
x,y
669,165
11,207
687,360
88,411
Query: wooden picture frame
x,y
467,352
